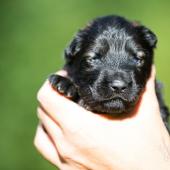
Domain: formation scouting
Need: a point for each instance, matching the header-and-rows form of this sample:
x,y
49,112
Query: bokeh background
x,y
33,35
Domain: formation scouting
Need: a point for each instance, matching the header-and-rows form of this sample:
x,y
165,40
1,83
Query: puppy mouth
x,y
116,102
114,105
114,98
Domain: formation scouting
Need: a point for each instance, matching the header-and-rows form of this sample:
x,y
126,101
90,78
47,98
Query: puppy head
x,y
110,61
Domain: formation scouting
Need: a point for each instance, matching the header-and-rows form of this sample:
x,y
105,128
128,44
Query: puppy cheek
x,y
134,92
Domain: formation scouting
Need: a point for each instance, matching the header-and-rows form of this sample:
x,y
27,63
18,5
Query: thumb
x,y
149,102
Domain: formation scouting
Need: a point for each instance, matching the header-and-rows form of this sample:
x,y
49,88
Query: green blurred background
x,y
33,34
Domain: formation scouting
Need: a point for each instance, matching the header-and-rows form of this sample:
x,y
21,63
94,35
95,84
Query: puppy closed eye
x,y
139,62
139,58
92,57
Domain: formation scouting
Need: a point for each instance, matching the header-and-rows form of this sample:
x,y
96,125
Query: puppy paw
x,y
64,86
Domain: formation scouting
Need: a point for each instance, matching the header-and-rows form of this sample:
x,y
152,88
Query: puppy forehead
x,y
112,35
114,41
112,44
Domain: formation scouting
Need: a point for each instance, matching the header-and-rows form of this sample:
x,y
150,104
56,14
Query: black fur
x,y
108,63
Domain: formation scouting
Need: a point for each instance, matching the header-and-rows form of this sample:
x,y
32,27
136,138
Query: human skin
x,y
73,138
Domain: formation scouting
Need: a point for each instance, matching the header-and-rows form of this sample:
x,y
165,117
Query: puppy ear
x,y
149,36
74,48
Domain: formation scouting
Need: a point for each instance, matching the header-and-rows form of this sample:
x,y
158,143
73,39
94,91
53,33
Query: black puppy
x,y
108,63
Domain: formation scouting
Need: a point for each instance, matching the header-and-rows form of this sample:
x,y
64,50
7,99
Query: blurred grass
x,y
33,35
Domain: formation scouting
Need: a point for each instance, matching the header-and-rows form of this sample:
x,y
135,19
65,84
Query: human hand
x,y
73,138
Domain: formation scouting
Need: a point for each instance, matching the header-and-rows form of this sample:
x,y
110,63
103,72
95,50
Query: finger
x,y
46,147
51,127
150,84
63,147
61,109
149,91
149,98
62,73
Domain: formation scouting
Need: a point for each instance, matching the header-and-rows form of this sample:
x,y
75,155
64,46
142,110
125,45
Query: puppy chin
x,y
113,107
118,105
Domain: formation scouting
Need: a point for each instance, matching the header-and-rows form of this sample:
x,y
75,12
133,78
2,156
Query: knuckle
x,y
36,143
41,94
66,151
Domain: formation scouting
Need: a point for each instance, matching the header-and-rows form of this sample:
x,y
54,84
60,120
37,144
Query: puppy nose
x,y
118,85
